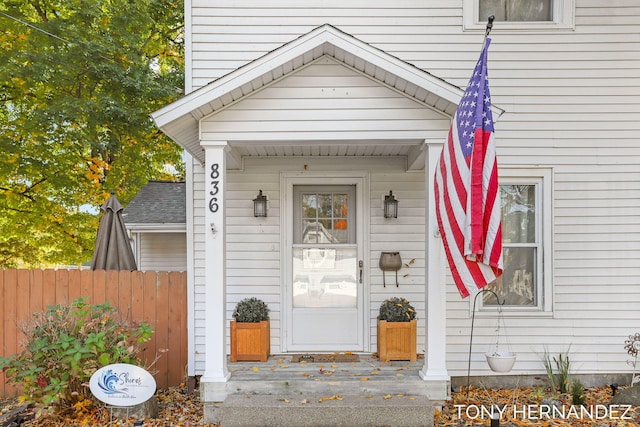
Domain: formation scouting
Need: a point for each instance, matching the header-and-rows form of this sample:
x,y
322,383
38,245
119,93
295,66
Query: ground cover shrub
x,y
577,393
65,345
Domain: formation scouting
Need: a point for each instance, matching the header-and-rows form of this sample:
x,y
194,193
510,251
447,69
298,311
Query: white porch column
x,y
213,381
435,367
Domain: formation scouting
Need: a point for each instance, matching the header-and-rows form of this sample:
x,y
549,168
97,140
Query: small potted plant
x,y
250,332
397,331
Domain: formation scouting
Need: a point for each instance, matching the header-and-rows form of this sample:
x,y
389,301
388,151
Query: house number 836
x,y
215,174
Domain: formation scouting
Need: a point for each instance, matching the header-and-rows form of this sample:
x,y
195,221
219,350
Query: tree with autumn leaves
x,y
78,80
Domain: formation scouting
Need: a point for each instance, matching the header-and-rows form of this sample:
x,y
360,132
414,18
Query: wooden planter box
x,y
250,341
397,340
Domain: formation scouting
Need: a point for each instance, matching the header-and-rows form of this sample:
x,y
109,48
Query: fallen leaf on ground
x,y
523,406
176,408
334,397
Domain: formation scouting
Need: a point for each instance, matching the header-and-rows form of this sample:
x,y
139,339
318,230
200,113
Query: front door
x,y
326,280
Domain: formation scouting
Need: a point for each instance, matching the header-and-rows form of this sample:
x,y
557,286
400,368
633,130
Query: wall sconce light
x,y
390,206
260,205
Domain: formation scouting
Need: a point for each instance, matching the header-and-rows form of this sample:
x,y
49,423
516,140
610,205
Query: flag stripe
x,y
463,270
466,189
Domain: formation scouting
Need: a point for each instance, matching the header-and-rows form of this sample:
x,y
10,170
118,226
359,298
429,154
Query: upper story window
x,y
525,285
516,10
519,14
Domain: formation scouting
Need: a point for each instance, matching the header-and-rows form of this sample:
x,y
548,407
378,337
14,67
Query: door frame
x,y
360,179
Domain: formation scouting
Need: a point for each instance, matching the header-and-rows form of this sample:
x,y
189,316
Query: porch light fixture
x,y
260,205
390,206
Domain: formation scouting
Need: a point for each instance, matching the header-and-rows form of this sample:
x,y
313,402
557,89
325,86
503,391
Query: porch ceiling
x,y
383,147
180,120
410,149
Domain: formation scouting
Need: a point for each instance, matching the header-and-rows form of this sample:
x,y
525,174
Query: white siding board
x,y
163,251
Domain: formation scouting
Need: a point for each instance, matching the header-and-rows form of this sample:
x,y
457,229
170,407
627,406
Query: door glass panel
x,y
324,277
324,217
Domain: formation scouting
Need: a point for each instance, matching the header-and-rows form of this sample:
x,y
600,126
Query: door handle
x,y
361,265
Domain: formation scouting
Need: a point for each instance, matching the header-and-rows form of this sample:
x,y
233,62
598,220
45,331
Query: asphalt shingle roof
x,y
158,202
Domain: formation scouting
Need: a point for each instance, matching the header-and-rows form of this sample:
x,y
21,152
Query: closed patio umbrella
x,y
113,250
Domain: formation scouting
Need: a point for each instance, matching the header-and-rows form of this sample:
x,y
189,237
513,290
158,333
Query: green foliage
x,y
78,80
538,394
65,345
397,309
251,310
558,376
562,365
577,393
548,367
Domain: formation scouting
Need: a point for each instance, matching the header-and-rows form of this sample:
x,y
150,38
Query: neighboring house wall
x,y
572,101
161,251
156,218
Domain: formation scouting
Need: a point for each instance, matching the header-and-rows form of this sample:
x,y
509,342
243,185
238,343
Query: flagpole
x,y
488,29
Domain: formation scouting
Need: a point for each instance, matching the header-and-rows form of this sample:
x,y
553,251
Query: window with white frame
x,y
516,10
525,285
519,14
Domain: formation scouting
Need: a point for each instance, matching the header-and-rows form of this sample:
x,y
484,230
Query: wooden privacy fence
x,y
158,298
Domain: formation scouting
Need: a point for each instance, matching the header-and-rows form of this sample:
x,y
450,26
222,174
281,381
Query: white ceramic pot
x,y
501,361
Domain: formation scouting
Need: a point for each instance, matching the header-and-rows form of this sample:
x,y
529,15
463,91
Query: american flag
x,y
466,189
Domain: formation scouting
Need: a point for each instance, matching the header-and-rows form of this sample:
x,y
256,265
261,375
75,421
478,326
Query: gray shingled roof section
x,y
159,202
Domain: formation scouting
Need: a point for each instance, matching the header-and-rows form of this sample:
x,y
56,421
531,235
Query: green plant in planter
x,y
397,309
251,310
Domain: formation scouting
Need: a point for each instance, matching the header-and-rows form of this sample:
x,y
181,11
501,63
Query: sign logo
x,y
122,384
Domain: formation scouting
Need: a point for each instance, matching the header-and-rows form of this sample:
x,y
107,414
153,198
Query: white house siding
x,y
571,101
228,35
324,101
572,104
253,244
162,251
406,234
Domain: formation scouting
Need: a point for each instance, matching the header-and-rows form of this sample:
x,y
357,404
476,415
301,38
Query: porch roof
x,y
180,119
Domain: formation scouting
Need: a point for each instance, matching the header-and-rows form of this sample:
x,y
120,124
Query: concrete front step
x,y
295,385
316,410
361,378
